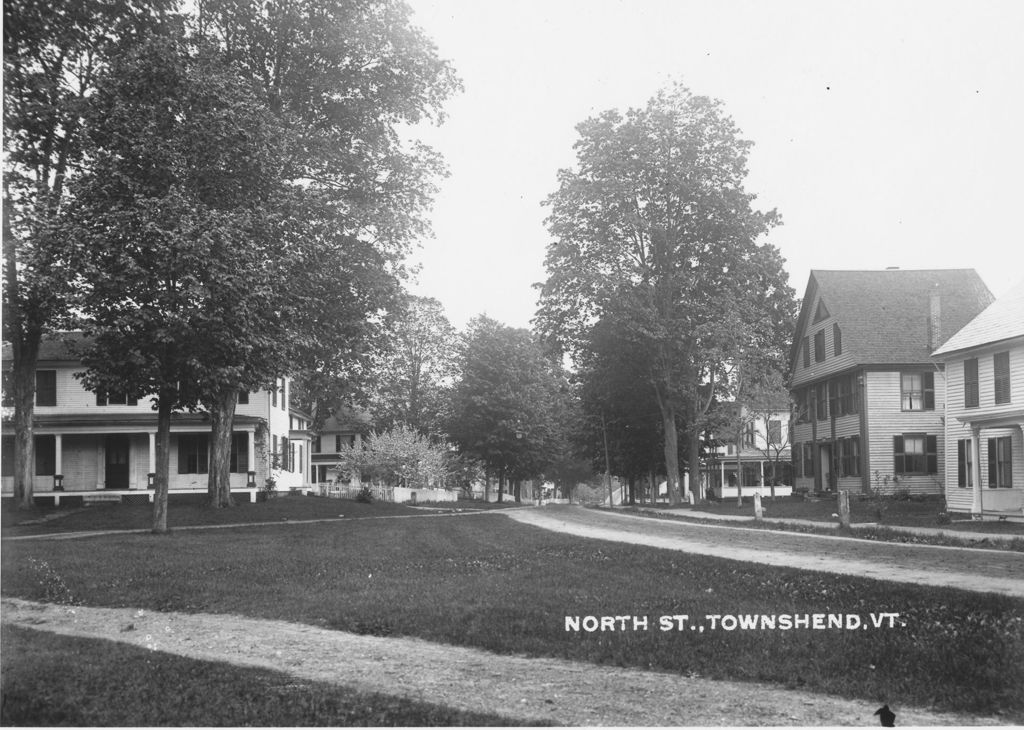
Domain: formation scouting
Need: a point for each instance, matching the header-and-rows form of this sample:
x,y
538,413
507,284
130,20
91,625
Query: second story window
x,y
46,387
917,391
113,398
1001,373
837,339
821,402
971,383
774,432
819,346
243,397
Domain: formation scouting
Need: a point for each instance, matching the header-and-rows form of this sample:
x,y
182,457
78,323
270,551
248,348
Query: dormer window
x,y
822,312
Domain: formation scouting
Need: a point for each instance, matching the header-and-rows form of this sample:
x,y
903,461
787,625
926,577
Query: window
x,y
286,454
819,346
113,398
193,453
803,410
917,391
46,387
775,432
964,464
915,453
1001,371
807,351
749,435
239,453
808,460
821,401
971,383
796,458
849,457
837,340
845,401
46,456
243,397
1000,462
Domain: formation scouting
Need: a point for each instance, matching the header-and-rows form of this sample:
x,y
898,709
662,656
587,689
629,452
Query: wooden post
x,y
758,511
844,508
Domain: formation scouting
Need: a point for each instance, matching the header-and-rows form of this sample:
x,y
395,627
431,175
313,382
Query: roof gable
x,y
887,317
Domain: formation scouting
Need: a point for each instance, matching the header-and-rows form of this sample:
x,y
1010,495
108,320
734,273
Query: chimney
x,y
934,319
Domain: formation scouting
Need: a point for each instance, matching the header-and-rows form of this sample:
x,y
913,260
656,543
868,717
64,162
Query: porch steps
x,y
88,499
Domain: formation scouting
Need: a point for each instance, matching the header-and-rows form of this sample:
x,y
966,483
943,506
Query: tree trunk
x,y
501,485
23,392
165,399
694,465
222,419
668,421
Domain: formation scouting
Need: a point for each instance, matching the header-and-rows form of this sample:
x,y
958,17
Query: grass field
x,y
487,582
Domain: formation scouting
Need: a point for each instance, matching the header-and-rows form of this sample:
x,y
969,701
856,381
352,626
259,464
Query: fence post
x,y
758,511
844,508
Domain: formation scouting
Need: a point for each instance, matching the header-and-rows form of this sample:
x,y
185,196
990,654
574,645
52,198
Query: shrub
x,y
365,494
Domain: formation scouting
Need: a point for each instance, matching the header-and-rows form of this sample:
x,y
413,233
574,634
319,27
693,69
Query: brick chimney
x,y
934,319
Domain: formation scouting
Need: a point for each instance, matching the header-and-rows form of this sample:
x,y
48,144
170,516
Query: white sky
x,y
885,133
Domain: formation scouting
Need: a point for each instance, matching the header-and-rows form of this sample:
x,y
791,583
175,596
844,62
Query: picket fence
x,y
382,493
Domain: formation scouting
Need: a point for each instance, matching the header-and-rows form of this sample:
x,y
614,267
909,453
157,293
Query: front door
x,y
117,462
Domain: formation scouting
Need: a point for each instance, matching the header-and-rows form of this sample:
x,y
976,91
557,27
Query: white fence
x,y
382,493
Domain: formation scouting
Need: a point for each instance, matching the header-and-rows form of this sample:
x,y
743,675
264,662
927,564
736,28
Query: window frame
x,y
819,346
849,456
1000,462
925,393
192,448
927,459
808,469
50,388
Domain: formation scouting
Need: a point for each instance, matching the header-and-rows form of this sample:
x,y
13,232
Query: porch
x,y
121,496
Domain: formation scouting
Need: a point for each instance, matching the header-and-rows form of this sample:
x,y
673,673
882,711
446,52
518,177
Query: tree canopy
x,y
653,230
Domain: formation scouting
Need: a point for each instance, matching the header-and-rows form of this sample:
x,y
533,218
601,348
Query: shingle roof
x,y
1002,320
884,315
56,347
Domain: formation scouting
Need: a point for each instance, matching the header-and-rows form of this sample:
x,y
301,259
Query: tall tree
x,y
504,407
171,227
54,52
415,377
340,77
654,230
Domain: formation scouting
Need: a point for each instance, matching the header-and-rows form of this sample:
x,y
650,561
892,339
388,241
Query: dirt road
x,y
973,569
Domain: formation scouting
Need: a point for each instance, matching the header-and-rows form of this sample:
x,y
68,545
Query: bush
x,y
365,495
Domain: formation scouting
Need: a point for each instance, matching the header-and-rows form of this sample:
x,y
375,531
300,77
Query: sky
x,y
885,133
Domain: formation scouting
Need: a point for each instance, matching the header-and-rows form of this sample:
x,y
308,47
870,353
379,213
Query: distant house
x,y
101,446
345,427
868,397
763,454
984,434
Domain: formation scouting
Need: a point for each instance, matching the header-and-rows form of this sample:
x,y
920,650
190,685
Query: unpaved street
x,y
996,571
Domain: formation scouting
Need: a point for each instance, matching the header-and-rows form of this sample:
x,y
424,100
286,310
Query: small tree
x,y
399,457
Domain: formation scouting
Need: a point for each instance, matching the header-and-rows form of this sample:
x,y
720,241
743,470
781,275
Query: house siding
x,y
887,419
832,363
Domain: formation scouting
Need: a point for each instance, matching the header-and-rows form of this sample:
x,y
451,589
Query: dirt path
x,y
995,571
533,690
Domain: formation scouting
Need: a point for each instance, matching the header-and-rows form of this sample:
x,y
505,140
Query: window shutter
x,y
928,383
899,460
807,352
992,461
931,450
961,463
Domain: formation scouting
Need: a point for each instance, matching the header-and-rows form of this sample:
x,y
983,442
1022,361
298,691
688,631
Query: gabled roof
x,y
884,315
56,347
1001,320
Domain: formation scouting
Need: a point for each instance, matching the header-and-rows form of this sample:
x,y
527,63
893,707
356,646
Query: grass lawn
x,y
487,582
922,512
177,691
188,510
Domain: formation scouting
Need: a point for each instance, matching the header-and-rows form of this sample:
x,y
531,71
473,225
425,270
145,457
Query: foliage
x,y
365,495
400,457
53,55
505,409
414,378
654,231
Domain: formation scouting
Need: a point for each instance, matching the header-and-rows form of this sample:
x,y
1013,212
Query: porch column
x,y
58,462
722,493
152,460
761,465
250,442
976,471
101,462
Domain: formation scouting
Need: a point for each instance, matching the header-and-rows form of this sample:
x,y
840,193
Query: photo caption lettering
x,y
735,622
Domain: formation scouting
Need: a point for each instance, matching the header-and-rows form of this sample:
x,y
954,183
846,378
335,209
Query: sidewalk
x,y
696,514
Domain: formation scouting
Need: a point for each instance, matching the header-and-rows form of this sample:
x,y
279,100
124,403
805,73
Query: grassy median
x,y
484,581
